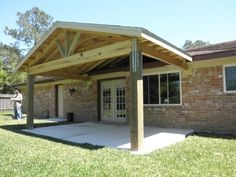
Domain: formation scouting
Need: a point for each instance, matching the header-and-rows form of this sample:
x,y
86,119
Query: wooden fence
x,y
5,103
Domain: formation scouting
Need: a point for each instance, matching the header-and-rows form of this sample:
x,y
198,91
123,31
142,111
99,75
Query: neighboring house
x,y
195,90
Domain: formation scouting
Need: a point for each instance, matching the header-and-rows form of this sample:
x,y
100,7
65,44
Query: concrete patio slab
x,y
113,135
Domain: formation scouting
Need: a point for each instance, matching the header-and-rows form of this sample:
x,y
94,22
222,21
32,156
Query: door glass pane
x,y
174,88
120,102
107,102
107,99
153,89
163,89
230,74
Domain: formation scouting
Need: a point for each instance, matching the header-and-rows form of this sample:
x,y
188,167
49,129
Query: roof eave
x,y
101,28
41,40
119,30
165,44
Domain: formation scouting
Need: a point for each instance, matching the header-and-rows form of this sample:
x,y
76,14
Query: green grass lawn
x,y
25,155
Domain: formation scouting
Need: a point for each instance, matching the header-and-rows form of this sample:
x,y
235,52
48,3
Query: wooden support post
x,y
30,103
136,100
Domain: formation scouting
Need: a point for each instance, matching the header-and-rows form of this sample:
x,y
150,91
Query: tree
x,y
9,56
31,25
191,45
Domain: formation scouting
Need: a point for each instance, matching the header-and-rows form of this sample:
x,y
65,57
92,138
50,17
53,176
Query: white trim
x,y
159,105
162,72
180,89
114,29
224,79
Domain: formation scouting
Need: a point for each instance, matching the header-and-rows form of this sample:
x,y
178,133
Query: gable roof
x,y
104,29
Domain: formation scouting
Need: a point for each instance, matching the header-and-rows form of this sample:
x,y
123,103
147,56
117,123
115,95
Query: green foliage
x,y
31,25
2,72
9,56
29,155
191,45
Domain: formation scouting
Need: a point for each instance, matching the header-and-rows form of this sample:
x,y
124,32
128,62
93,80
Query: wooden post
x,y
136,100
30,103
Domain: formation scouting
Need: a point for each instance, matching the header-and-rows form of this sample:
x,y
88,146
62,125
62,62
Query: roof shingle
x,y
213,51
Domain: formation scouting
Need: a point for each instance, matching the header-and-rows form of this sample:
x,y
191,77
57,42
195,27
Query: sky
x,y
173,20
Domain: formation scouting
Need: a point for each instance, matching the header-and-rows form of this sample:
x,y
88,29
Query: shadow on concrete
x,y
17,128
216,135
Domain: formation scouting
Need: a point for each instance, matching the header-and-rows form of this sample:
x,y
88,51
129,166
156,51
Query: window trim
x,y
224,79
180,83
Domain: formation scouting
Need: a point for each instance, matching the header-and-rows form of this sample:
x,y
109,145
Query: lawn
x,y
25,155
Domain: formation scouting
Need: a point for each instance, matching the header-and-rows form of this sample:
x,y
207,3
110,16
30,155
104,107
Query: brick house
x,y
194,90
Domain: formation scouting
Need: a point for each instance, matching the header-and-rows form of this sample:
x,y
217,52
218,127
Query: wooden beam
x,y
23,68
59,46
159,48
142,40
66,43
104,63
149,51
49,57
82,68
45,49
155,64
74,43
151,44
67,75
136,99
105,52
119,59
92,45
30,103
87,69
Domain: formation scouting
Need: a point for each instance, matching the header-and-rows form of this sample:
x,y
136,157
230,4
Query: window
x,y
162,89
230,78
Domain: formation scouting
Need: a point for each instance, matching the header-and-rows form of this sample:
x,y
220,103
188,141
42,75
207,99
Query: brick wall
x,y
44,101
84,102
205,105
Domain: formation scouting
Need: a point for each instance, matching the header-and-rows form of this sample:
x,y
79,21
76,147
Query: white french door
x,y
113,106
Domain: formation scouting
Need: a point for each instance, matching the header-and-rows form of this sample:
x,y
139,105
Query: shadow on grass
x,y
215,135
7,114
17,128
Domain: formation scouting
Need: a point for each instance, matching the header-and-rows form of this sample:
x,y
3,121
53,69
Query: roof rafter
x,y
149,51
105,52
74,43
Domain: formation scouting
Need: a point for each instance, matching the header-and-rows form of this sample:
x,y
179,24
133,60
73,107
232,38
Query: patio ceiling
x,y
71,50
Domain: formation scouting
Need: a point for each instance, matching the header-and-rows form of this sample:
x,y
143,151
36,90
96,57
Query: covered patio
x,y
112,135
85,51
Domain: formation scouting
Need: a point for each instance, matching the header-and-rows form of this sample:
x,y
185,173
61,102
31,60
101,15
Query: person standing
x,y
17,105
